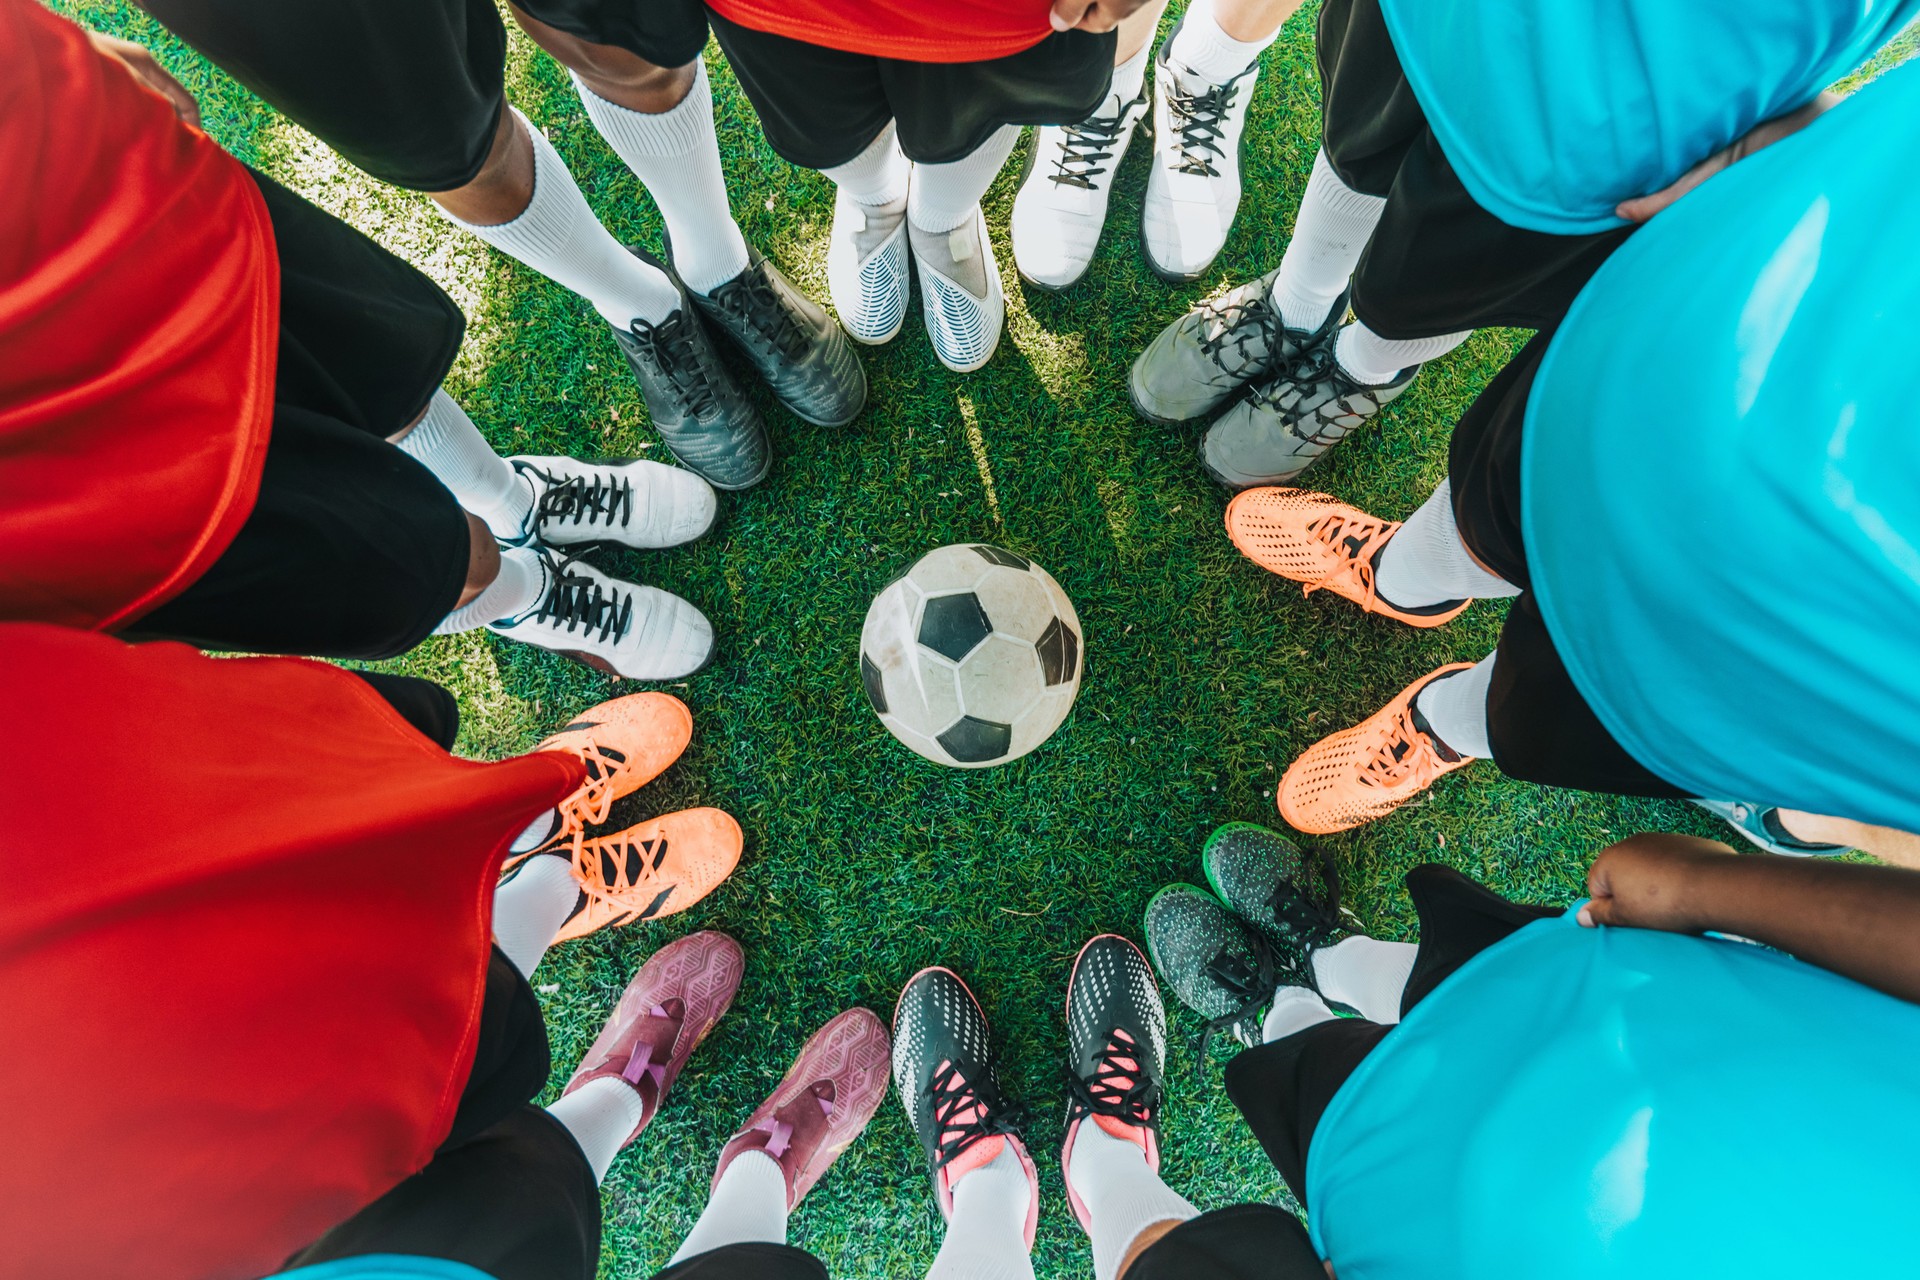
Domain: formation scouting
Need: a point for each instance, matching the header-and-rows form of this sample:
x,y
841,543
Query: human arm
x,y
1758,138
1858,921
147,70
1091,15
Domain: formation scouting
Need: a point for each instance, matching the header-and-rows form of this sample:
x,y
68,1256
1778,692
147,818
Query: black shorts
x,y
352,549
408,90
1239,1242
667,33
1541,728
1437,263
1283,1088
822,107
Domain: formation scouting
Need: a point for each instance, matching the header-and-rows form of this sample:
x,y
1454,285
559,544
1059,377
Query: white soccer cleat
x,y
867,268
961,296
1062,203
635,503
1193,188
641,633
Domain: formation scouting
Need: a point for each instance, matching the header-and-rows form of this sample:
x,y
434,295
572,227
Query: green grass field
x,y
1204,675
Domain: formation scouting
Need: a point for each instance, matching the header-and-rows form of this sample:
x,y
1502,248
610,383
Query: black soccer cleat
x,y
1116,1051
943,1067
694,402
797,348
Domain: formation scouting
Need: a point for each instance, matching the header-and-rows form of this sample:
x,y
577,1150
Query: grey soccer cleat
x,y
1291,898
795,347
1218,966
694,402
1761,826
1217,349
1287,421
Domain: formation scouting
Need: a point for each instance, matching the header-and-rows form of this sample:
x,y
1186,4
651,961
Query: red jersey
x,y
139,312
912,30
243,943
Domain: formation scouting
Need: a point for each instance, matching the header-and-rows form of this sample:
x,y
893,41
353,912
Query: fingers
x,y
1067,14
1641,208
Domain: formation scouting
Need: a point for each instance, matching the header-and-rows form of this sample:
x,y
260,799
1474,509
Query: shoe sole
x,y
597,663
1241,486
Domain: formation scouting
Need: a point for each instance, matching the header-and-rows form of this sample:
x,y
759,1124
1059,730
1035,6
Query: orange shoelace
x,y
1406,757
1354,537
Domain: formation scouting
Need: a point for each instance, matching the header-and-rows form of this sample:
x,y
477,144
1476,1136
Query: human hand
x,y
1648,882
1758,138
148,71
1091,15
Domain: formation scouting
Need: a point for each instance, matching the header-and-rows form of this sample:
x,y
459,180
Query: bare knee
x,y
616,74
483,559
503,188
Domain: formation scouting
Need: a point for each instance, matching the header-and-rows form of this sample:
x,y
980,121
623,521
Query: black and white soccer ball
x,y
972,657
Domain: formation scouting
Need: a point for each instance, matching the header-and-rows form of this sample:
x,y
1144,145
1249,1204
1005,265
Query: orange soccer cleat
x,y
625,744
1322,542
1348,779
651,870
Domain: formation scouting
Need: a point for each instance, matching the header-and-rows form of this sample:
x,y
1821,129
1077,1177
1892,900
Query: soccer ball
x,y
972,657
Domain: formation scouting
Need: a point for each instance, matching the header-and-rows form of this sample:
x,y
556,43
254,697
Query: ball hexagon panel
x,y
1000,680
954,625
1016,602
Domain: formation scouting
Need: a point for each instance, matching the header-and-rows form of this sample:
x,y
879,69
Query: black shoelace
x,y
672,347
753,301
1251,984
586,502
1197,119
1086,146
1311,366
574,600
1105,1093
1241,325
1309,921
955,1096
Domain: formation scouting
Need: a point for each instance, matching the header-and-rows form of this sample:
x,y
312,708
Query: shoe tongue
x,y
983,1152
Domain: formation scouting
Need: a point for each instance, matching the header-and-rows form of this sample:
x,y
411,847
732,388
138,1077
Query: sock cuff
x,y
1333,192
544,227
680,130
435,428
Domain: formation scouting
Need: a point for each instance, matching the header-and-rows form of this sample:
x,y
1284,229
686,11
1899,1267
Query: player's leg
x,y
962,300
824,1102
1202,86
1062,205
984,1181
640,77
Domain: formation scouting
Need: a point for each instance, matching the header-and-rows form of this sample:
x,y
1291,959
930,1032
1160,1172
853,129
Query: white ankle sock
x,y
1294,1010
1201,46
1366,973
1455,708
529,909
538,832
677,159
558,236
1371,359
987,1235
522,580
943,196
1122,1195
451,447
1129,78
1425,562
1329,233
750,1203
877,175
600,1114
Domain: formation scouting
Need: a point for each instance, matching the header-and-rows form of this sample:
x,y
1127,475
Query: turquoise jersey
x,y
386,1266
1721,476
1620,1104
1554,111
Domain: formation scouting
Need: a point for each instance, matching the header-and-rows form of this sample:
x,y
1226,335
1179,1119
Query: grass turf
x,y
1204,675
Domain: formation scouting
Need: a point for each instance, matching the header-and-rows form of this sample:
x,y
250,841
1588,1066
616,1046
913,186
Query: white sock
x,y
1122,1195
748,1204
1455,708
530,908
1201,46
1129,78
877,175
538,832
522,581
1366,973
1425,562
558,236
1371,359
1294,1010
600,1114
677,158
1329,233
945,195
987,1235
450,446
